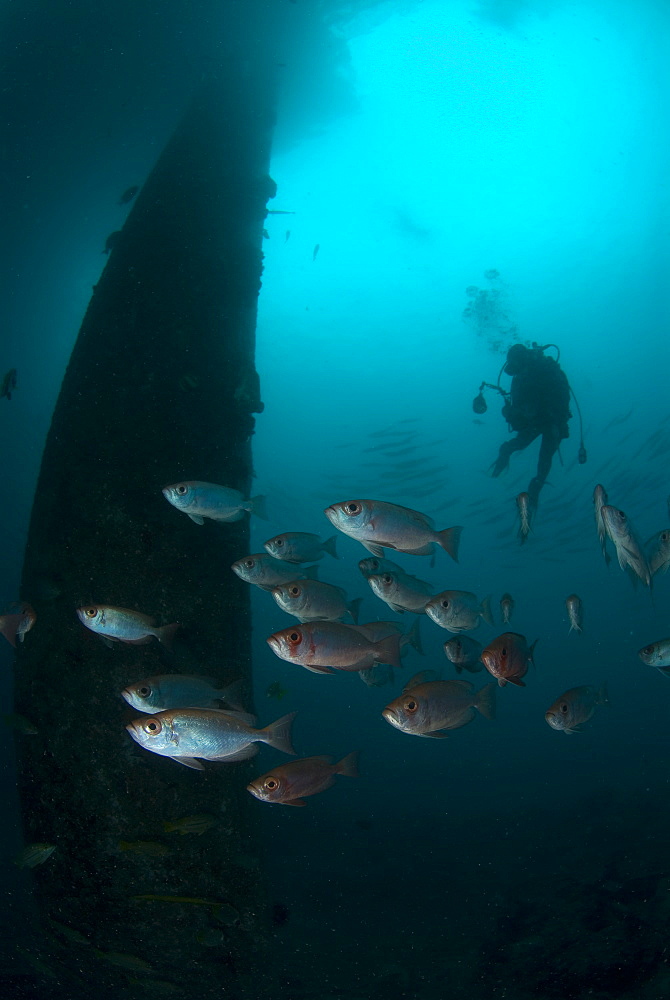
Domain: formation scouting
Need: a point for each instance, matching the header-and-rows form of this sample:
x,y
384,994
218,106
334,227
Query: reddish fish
x,y
290,784
508,657
324,646
20,620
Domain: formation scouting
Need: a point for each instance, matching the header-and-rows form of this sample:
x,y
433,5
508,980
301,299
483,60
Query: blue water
x,y
450,140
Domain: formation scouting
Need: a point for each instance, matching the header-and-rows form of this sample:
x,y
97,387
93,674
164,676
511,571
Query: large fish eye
x,y
181,489
387,578
294,591
152,727
278,542
621,515
249,563
411,706
352,508
144,691
665,535
294,636
91,612
648,650
270,784
445,604
503,651
564,708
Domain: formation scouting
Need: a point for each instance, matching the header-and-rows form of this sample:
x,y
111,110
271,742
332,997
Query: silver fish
x,y
599,501
659,552
220,503
33,855
309,600
158,694
458,610
401,591
525,511
430,708
300,547
657,654
186,734
575,707
627,547
506,608
264,571
374,564
378,525
124,625
324,646
573,605
464,653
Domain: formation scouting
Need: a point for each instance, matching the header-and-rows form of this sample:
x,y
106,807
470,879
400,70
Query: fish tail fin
x,y
278,735
10,627
450,539
232,694
602,696
486,700
348,766
311,572
165,634
257,507
413,637
329,546
354,608
485,610
388,650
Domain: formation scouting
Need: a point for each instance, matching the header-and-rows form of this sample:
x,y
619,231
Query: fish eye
x,y
648,650
294,591
270,784
621,515
91,612
249,563
181,489
387,578
445,604
665,535
352,508
411,706
503,651
152,727
144,691
564,708
279,542
294,636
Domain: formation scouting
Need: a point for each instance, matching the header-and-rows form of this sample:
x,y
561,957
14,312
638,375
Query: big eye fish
x,y
290,784
157,694
508,657
219,503
575,707
401,591
458,610
326,646
264,571
300,547
432,707
379,525
124,625
309,600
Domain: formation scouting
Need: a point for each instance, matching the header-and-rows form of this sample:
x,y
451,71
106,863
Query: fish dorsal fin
x,y
423,677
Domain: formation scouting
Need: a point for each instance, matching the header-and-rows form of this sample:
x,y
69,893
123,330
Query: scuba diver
x,y
537,404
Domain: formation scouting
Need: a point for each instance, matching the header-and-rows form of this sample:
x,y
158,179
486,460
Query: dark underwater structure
x,y
161,386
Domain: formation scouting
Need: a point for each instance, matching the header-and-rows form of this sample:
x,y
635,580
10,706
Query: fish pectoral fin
x,y
244,754
396,607
294,802
437,735
515,680
571,732
376,550
197,519
189,762
138,642
319,670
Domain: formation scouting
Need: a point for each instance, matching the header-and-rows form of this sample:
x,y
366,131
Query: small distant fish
x,y
219,503
300,547
373,565
575,707
378,525
147,848
69,933
157,694
627,547
187,734
33,855
464,653
599,501
310,600
287,236
8,384
459,610
20,724
124,625
266,572
525,511
315,251
276,690
290,784
508,657
19,620
198,824
401,591
430,708
506,608
129,194
130,962
573,605
659,552
326,646
657,654
111,241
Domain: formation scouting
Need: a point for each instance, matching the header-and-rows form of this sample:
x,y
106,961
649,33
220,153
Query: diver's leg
x,y
549,446
507,448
